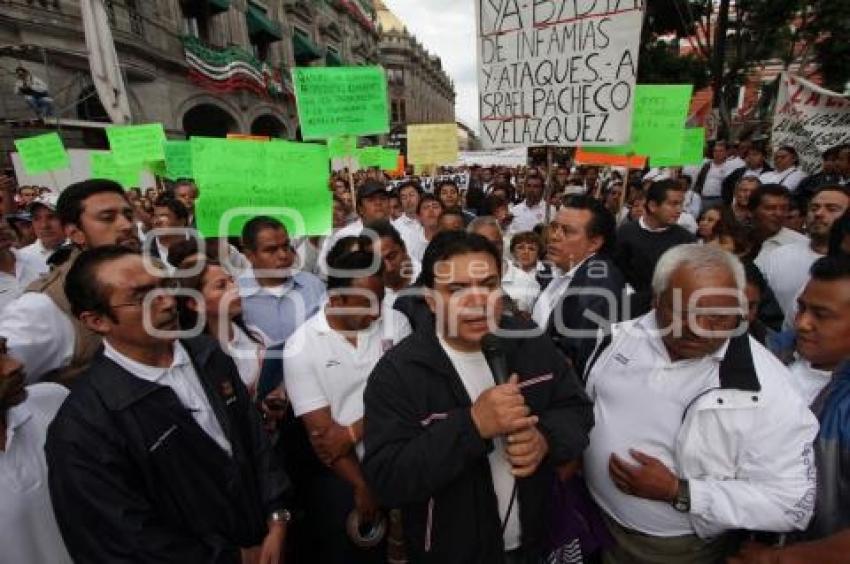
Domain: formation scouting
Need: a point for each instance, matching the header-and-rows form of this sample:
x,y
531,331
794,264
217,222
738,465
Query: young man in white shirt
x,y
823,327
697,432
47,228
42,332
769,207
28,530
786,269
531,211
709,181
172,218
326,364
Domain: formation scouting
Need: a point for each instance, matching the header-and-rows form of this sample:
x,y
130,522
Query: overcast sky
x,y
447,29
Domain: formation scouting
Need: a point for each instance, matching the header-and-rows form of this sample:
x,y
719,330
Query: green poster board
x,y
658,122
178,159
260,179
693,150
344,146
103,165
137,143
42,153
334,101
389,159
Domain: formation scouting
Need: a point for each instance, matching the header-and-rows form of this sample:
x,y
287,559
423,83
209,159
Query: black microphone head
x,y
490,343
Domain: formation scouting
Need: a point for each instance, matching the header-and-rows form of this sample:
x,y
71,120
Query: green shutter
x,y
305,50
260,26
333,60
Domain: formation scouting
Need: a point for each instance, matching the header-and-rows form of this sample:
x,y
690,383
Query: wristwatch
x,y
682,503
282,516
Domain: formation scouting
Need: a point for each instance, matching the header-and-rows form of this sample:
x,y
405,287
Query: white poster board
x,y
557,72
810,119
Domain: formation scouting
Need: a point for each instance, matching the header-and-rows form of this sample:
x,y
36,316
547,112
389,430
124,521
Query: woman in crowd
x,y
221,313
714,222
526,249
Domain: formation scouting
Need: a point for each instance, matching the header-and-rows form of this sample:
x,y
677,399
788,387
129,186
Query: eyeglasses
x,y
166,287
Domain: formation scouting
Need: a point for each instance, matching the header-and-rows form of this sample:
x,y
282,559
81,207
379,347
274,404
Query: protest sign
x,y
335,101
42,153
810,119
557,72
658,123
244,137
593,157
369,156
693,150
343,146
432,144
104,165
178,159
136,143
389,159
257,178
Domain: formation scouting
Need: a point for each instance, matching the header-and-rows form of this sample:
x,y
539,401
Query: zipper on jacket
x,y
429,525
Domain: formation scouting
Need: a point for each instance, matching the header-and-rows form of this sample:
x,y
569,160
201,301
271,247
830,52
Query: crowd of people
x,y
589,365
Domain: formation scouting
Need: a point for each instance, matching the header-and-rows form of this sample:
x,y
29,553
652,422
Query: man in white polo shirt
x,y
698,431
326,364
531,211
786,269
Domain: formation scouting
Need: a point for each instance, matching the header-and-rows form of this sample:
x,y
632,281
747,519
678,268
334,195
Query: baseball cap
x,y
371,188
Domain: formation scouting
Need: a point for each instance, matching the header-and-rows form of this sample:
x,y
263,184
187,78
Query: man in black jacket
x,y
587,289
641,243
469,463
158,454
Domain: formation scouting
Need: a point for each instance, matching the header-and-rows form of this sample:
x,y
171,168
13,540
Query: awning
x,y
333,59
305,50
260,26
211,7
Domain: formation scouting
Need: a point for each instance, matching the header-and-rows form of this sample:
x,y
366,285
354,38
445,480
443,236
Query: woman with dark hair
x,y
217,305
714,222
787,173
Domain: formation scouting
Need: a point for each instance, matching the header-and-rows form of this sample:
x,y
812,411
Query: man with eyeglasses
x,y
786,161
276,298
158,454
42,332
698,432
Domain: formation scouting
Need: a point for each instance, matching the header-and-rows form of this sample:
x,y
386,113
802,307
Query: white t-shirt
x,y
28,269
687,221
476,376
247,354
527,217
789,178
521,286
809,382
321,368
28,530
784,237
786,270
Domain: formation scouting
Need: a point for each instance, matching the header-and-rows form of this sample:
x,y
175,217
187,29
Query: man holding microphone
x,y
465,452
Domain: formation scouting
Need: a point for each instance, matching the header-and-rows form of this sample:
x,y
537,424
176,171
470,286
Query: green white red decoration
x,y
232,69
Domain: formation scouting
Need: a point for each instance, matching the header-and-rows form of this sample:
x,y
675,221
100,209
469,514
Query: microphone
x,y
496,358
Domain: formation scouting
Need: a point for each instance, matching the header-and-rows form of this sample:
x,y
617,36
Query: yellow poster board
x,y
433,144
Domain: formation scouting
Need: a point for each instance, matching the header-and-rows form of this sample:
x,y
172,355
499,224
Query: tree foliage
x,y
828,30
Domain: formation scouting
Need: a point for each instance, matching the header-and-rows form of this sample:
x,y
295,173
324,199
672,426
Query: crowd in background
x,y
341,403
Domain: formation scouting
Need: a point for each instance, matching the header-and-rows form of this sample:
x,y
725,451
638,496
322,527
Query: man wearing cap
x,y
40,329
47,228
372,205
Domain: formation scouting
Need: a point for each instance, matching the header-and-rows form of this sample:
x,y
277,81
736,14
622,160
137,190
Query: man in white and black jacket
x,y
447,446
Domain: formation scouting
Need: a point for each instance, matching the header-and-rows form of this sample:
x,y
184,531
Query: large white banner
x,y
810,119
557,72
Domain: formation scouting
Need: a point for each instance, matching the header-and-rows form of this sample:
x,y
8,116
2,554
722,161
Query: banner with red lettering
x,y
810,119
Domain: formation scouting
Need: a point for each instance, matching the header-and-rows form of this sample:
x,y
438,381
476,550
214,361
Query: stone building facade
x,y
420,91
200,67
